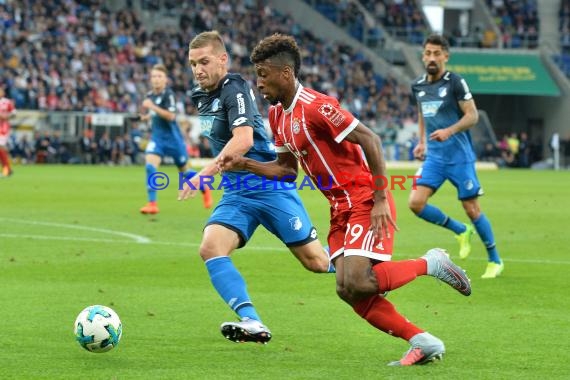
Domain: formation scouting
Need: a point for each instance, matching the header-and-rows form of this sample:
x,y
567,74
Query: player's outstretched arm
x,y
380,216
163,113
420,149
240,143
283,168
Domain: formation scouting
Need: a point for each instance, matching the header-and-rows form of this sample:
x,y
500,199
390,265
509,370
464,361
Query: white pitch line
x,y
249,247
136,238
65,238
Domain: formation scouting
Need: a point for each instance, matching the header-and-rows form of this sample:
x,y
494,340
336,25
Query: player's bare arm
x,y
240,143
371,144
468,120
284,167
420,149
165,114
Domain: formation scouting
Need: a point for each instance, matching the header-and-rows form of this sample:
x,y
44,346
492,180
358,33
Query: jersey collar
x,y
292,106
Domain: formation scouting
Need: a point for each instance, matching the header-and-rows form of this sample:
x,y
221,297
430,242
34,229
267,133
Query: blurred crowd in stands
x,y
518,22
77,55
563,59
68,56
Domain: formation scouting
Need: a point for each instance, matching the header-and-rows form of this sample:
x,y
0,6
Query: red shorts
x,y
350,233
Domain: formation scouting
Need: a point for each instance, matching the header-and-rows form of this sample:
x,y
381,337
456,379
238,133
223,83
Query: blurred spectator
x,y
524,151
490,153
24,151
88,147
55,148
104,148
411,144
513,142
118,151
42,145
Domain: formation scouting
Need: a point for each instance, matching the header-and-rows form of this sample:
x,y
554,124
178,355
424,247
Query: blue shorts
x,y
280,212
462,176
175,149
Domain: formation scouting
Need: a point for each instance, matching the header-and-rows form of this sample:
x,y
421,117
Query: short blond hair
x,y
210,38
160,67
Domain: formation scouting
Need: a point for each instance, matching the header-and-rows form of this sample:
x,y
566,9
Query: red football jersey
x,y
6,106
313,128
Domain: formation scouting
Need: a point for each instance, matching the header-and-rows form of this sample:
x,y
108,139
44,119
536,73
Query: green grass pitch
x,y
72,237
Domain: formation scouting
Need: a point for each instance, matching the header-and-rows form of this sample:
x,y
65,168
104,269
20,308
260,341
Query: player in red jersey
x,y
345,160
7,111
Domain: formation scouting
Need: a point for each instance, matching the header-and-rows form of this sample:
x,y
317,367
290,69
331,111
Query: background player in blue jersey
x,y
229,118
446,112
166,138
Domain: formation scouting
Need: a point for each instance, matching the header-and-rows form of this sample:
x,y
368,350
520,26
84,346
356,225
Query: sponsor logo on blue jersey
x,y
241,103
429,109
206,123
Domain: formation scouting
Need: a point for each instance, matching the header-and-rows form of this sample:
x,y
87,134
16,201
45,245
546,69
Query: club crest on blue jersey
x,y
442,91
468,184
296,223
215,105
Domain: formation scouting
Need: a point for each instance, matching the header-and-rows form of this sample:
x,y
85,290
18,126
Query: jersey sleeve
x,y
331,118
238,100
413,94
461,89
168,101
279,144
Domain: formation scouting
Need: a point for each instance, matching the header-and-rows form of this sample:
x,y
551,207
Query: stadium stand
x,y
89,58
518,22
95,57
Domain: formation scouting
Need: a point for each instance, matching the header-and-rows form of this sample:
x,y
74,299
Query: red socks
x,y
4,160
393,274
380,313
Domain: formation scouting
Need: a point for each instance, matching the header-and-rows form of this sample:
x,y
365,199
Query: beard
x,y
432,69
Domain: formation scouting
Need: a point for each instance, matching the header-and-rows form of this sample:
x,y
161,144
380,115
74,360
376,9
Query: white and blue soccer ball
x,y
98,328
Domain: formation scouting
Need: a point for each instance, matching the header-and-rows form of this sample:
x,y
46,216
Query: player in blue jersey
x,y
166,138
229,118
446,112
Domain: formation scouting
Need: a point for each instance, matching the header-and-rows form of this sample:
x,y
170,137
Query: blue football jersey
x,y
232,105
162,129
439,104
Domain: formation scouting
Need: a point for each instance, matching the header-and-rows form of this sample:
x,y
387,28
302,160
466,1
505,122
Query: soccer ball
x,y
98,328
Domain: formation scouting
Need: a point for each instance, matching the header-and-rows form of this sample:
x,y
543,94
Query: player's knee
x,y
472,209
416,204
343,294
355,289
208,251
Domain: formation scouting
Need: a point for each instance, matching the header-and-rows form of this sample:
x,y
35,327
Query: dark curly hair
x,y
436,39
280,49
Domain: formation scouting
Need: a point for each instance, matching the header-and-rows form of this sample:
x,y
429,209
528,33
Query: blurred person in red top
x,y
7,111
344,159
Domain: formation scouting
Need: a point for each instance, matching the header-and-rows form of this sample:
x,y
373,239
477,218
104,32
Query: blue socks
x,y
434,215
483,227
150,170
230,285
